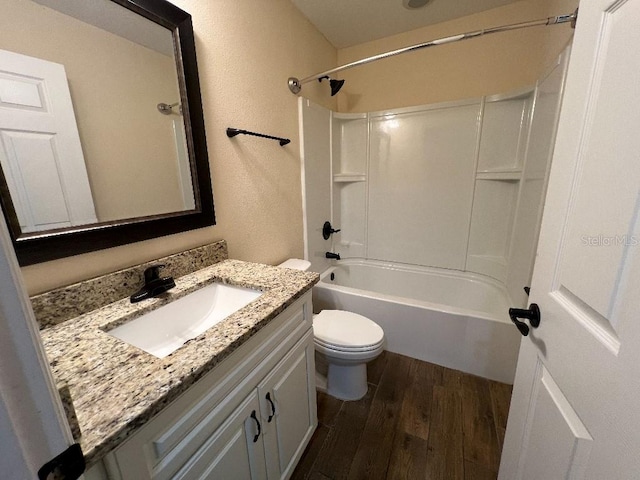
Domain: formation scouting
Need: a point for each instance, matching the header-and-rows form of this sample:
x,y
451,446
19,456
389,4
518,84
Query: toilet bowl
x,y
346,341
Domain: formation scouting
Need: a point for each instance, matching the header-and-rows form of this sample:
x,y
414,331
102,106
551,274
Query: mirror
x,y
102,136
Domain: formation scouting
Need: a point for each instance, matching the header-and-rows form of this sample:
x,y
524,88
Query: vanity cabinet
x,y
285,408
233,451
250,417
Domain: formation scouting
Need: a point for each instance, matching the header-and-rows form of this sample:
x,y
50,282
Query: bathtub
x,y
455,319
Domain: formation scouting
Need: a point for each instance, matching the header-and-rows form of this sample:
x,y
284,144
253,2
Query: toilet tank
x,y
296,264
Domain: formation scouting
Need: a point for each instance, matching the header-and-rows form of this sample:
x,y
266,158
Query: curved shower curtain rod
x,y
295,85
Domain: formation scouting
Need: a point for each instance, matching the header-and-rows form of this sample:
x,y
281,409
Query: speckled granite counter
x,y
116,388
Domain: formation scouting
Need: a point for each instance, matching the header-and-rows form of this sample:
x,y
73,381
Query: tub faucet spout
x,y
334,256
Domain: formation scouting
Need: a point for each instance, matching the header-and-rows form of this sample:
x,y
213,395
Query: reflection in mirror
x,y
111,84
94,127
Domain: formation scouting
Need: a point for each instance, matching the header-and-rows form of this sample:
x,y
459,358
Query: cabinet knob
x,y
257,435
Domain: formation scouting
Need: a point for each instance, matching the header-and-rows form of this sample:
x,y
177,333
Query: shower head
x,y
336,85
295,85
166,109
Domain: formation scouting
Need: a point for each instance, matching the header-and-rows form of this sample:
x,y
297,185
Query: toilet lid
x,y
296,264
346,330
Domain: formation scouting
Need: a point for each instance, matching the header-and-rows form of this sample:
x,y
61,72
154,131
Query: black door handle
x,y
532,314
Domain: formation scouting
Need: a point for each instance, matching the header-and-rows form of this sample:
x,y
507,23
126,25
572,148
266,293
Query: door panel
x,y
574,411
21,92
33,177
558,442
605,203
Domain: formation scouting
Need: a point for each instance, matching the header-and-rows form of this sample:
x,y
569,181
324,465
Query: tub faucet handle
x,y
328,230
334,256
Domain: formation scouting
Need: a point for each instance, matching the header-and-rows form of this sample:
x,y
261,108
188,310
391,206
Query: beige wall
x,y
128,145
246,51
493,64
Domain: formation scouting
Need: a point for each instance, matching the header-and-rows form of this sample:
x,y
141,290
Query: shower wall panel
x,y
503,141
534,180
459,185
315,146
350,134
421,178
503,138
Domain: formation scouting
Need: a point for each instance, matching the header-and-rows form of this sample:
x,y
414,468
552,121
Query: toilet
x,y
345,341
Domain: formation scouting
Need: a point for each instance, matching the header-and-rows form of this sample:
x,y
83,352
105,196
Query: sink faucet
x,y
153,284
335,256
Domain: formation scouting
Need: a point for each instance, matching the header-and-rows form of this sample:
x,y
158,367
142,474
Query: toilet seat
x,y
348,349
296,264
343,331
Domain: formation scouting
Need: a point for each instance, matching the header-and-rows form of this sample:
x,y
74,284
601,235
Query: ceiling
x,y
350,22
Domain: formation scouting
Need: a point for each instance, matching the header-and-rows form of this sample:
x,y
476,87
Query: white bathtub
x,y
454,319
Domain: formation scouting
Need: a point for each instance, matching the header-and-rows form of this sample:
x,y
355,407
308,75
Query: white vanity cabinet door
x,y
240,449
203,433
235,450
288,406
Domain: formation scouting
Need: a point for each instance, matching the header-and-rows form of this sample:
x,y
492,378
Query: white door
x,y
40,150
575,411
33,428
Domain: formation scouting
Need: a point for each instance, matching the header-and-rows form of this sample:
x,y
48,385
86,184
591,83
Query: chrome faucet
x,y
153,284
335,256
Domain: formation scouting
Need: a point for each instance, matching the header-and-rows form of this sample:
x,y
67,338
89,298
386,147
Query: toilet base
x,y
321,382
342,378
347,382
344,382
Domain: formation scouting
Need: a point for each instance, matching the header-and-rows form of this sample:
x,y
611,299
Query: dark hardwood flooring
x,y
417,421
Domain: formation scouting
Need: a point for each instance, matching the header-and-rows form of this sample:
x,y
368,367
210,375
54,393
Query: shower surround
x,y
456,186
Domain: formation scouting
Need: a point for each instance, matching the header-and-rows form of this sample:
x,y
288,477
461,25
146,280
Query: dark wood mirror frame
x,y
43,246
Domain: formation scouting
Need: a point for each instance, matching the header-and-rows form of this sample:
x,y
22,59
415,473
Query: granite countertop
x,y
116,388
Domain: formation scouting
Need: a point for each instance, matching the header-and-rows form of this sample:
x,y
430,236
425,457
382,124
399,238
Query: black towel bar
x,y
232,132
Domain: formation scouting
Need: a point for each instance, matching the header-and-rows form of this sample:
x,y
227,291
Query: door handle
x,y
257,435
532,314
273,407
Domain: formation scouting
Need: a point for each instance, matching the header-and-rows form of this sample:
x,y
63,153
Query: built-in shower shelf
x,y
349,116
349,177
505,175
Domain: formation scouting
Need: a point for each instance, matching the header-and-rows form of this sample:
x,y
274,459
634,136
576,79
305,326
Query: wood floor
x,y
417,421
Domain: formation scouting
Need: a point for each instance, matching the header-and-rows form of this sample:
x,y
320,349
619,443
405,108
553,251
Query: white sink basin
x,y
162,331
